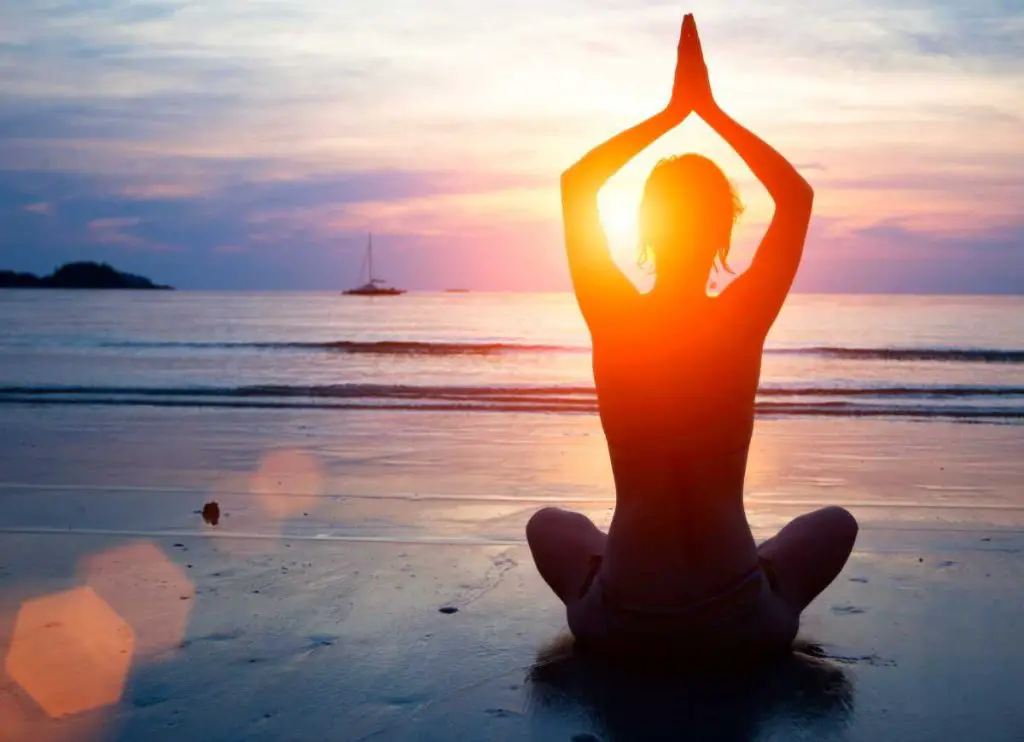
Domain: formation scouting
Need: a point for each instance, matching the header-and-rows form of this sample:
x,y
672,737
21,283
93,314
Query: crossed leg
x,y
564,545
809,553
806,555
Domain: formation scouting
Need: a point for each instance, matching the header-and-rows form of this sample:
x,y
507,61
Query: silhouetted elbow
x,y
797,202
803,197
570,179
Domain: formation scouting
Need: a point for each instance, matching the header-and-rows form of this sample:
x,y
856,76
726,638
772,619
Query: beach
x,y
298,312
311,611
364,574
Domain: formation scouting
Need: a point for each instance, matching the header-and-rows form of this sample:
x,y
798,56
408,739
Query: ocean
x,y
922,357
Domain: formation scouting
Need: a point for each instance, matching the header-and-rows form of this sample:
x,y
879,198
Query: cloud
x,y
160,191
229,249
244,135
39,207
322,218
891,258
119,232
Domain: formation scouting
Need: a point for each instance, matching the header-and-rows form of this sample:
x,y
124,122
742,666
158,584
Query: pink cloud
x,y
161,191
116,231
40,207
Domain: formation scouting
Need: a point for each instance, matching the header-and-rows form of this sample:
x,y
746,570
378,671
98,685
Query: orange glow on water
x,y
70,651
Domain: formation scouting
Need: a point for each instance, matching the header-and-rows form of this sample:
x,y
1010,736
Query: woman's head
x,y
686,217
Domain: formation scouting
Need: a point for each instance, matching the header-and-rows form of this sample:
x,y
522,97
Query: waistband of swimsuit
x,y
734,599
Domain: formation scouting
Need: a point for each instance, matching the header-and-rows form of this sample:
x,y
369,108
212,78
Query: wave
x,y
981,402
424,347
920,391
345,391
383,347
962,355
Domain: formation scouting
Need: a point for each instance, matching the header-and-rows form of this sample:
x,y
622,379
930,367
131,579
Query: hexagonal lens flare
x,y
70,651
149,590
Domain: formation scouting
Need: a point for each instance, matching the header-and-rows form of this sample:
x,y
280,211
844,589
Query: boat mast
x,y
369,253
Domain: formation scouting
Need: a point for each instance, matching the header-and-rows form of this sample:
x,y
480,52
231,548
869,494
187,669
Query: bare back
x,y
676,396
676,385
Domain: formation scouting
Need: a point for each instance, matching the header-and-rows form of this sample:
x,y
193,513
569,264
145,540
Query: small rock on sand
x,y
211,513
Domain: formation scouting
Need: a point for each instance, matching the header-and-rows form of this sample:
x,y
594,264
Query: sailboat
x,y
373,286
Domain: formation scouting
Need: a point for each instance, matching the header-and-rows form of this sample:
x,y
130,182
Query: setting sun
x,y
619,212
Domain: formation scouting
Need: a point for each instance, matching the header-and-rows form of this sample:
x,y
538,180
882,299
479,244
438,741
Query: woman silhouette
x,y
676,373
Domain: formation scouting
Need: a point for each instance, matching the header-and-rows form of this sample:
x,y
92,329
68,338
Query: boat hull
x,y
373,292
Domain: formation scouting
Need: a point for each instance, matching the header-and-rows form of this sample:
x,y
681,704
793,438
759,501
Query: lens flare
x,y
70,651
145,587
286,483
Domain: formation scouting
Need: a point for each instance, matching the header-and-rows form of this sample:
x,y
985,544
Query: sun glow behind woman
x,y
620,208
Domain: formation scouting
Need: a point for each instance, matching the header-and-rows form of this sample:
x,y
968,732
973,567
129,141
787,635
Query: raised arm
x,y
759,293
601,288
761,290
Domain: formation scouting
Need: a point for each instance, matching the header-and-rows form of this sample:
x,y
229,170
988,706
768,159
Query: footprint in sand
x,y
865,659
220,636
322,640
846,610
152,698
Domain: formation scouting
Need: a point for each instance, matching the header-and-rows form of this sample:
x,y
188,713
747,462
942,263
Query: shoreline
x,y
316,601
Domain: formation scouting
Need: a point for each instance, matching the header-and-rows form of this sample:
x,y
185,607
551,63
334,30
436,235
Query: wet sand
x,y
313,609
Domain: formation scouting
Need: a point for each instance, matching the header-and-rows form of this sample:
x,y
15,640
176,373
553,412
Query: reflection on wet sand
x,y
730,702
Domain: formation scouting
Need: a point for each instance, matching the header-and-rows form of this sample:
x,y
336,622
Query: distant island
x,y
84,275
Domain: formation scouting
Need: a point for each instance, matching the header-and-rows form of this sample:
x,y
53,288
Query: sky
x,y
252,144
